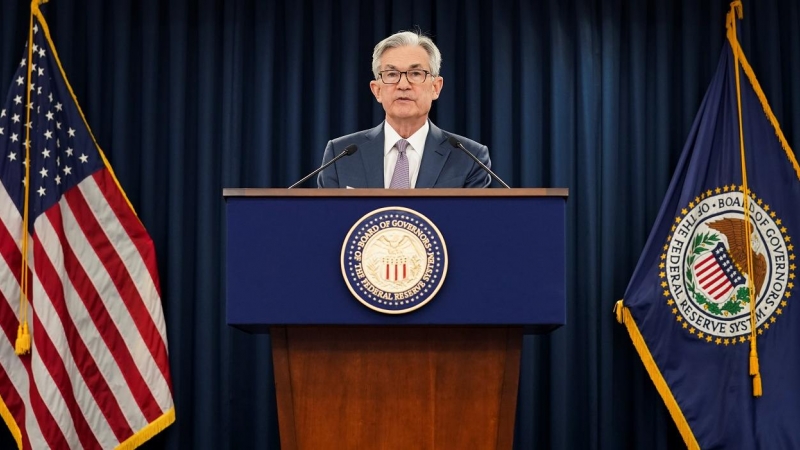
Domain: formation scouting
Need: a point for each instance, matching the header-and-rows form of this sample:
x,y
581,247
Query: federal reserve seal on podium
x,y
394,260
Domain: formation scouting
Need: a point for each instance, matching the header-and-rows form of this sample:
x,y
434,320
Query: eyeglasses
x,y
413,76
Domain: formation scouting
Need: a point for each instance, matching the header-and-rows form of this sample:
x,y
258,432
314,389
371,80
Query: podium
x,y
441,376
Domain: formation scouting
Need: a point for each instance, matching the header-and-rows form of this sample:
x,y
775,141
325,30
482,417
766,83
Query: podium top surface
x,y
313,192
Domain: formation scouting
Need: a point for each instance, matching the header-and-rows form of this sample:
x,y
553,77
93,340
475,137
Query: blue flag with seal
x,y
710,305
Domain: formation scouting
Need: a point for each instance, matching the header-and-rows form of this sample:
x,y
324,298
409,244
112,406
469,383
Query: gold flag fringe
x,y
624,317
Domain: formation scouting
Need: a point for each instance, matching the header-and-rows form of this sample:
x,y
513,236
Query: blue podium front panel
x,y
505,259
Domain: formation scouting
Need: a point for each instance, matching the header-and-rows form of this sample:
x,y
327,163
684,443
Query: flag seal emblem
x,y
394,260
704,266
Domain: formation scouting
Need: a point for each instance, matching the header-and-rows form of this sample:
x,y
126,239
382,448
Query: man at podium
x,y
406,150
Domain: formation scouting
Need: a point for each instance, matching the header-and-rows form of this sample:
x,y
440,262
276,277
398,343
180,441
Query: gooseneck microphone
x,y
349,150
455,143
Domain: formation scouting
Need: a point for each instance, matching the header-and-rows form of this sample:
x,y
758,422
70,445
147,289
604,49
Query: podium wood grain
x,y
396,387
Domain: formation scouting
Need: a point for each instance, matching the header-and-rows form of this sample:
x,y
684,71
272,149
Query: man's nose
x,y
405,84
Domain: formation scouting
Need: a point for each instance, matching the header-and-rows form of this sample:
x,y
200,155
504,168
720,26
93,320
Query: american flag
x,y
97,373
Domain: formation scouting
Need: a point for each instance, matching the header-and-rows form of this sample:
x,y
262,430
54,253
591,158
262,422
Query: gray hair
x,y
407,38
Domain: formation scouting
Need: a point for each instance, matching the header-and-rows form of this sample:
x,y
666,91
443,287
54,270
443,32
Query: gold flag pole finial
x,y
35,4
735,6
736,12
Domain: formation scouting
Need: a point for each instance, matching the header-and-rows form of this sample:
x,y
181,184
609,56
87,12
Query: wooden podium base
x,y
396,387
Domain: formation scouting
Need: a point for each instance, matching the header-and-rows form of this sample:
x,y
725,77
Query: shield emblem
x,y
716,274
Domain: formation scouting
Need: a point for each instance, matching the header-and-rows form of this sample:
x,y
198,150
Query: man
x,y
407,150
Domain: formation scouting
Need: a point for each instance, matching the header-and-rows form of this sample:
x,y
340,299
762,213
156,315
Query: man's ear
x,y
438,83
375,87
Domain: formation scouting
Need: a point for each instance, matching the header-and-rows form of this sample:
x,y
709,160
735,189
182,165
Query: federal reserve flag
x,y
83,345
710,307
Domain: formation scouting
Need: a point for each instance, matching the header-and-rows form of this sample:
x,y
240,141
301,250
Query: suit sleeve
x,y
479,178
328,178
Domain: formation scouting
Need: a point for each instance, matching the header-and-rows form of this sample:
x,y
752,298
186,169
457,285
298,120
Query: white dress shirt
x,y
413,153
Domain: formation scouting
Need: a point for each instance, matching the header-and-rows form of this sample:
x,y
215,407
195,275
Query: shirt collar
x,y
417,140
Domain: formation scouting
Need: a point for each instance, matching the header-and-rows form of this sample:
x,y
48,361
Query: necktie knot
x,y
401,145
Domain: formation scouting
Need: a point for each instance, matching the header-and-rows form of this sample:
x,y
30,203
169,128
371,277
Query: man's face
x,y
406,102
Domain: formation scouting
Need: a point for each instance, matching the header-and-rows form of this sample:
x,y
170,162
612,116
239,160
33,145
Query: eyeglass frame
x,y
427,73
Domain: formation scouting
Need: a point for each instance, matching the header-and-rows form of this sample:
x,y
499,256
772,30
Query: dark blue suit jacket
x,y
442,166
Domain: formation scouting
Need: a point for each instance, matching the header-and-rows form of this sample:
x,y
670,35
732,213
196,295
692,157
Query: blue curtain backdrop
x,y
189,97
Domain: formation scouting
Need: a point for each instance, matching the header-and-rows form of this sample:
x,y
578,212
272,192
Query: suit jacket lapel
x,y
436,152
372,156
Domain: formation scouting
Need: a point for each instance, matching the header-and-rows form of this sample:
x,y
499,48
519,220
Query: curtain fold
x,y
189,97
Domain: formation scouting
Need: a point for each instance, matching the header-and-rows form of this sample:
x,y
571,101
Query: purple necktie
x,y
400,178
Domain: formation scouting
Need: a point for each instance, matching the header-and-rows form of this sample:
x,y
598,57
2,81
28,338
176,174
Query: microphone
x,y
349,150
455,143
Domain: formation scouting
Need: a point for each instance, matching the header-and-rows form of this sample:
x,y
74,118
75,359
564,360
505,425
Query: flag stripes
x,y
29,410
83,233
138,276
137,237
69,311
53,382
